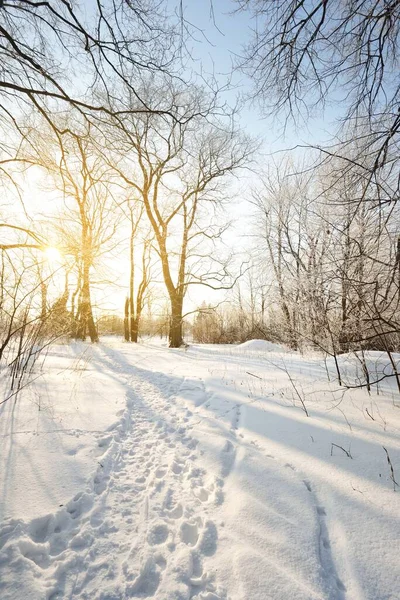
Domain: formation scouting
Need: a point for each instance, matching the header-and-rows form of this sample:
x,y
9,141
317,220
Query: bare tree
x,y
87,227
303,55
175,167
282,210
335,262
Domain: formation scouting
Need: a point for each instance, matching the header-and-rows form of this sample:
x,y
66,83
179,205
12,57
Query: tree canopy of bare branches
x,y
175,167
340,54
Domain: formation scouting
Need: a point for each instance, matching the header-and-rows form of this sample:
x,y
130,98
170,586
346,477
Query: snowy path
x,y
145,519
189,500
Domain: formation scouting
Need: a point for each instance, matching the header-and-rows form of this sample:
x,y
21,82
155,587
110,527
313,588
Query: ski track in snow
x,y
335,589
155,534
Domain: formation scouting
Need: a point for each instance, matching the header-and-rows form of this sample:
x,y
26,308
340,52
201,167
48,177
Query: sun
x,y
53,254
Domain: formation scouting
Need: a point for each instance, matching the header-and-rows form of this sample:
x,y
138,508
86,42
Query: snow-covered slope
x,y
178,474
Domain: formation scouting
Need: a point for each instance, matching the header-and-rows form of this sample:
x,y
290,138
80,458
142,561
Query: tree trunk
x,y
134,328
175,326
86,322
94,337
43,291
126,320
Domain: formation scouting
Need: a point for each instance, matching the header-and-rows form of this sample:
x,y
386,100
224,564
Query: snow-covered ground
x,y
137,471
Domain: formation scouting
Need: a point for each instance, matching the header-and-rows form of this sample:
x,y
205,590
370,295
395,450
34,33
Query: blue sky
x,y
225,31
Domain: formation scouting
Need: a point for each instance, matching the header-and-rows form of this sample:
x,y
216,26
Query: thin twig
x,y
347,452
252,374
391,470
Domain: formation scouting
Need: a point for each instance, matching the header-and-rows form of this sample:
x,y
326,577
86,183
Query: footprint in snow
x,y
175,513
37,553
103,445
160,561
40,529
189,533
160,472
209,538
202,494
158,534
192,443
100,484
201,534
176,468
146,583
228,458
211,492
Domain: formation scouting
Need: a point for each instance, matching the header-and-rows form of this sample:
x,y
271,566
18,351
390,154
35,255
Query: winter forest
x,y
199,299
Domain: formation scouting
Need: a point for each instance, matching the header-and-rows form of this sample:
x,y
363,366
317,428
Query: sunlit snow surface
x,y
138,471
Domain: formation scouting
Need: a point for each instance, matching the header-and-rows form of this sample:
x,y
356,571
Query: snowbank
x,y
261,346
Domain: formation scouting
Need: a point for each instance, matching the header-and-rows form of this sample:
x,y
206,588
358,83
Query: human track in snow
x,y
143,525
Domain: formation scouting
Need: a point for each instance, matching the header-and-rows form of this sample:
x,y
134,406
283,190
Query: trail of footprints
x,y
145,516
142,527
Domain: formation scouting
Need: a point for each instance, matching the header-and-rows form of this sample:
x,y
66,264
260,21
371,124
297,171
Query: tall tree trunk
x,y
133,321
126,320
43,291
175,329
86,322
75,315
134,329
345,333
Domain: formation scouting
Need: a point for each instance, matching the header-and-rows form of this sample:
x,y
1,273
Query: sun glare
x,y
53,254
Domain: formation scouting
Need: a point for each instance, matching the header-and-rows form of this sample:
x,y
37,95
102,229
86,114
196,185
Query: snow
x,y
196,474
261,346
